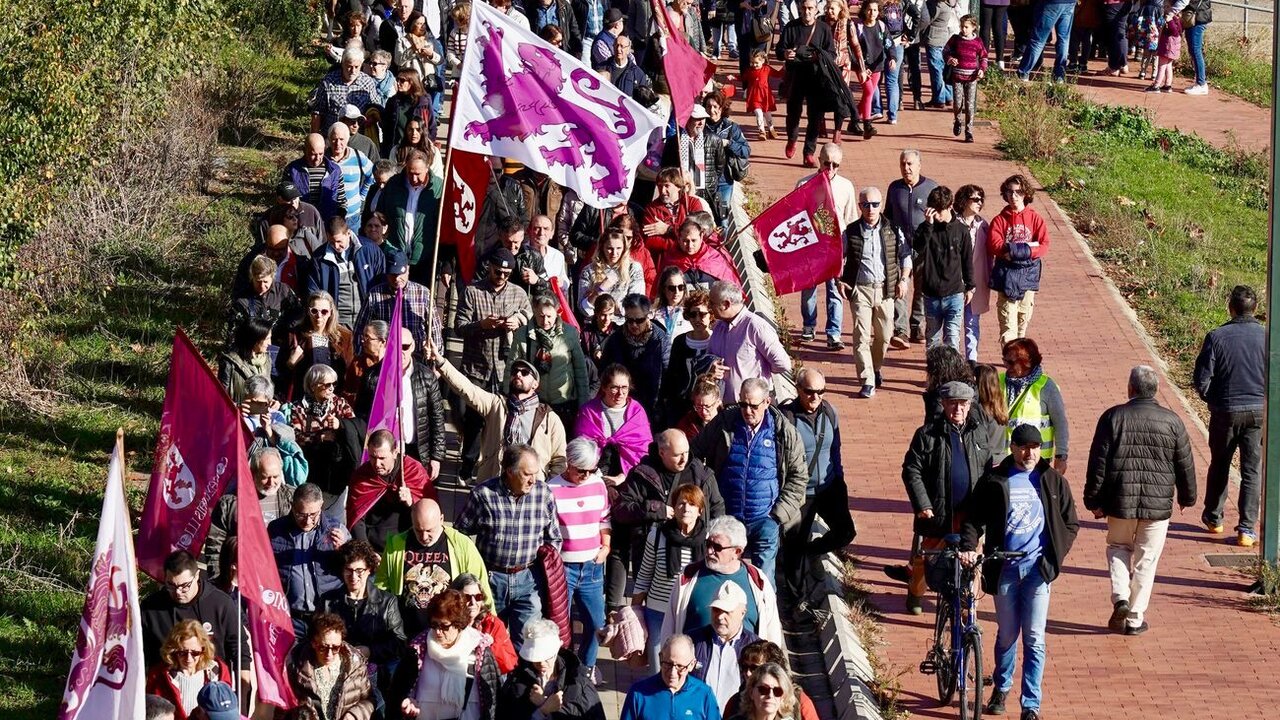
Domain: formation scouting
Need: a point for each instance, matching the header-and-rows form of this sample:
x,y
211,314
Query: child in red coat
x,y
759,95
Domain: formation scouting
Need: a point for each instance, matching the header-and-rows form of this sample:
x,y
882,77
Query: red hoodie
x,y
1025,226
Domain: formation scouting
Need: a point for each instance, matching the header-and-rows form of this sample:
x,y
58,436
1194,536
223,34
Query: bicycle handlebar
x,y
997,555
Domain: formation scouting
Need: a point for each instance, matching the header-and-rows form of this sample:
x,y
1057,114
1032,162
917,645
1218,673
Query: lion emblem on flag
x,y
179,482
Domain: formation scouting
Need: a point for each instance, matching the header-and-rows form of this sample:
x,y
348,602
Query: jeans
x,y
1228,431
588,42
728,34
1195,48
972,331
893,79
725,191
516,600
1022,608
995,26
835,309
943,318
585,582
939,91
1115,24
763,539
1133,550
1055,18
653,635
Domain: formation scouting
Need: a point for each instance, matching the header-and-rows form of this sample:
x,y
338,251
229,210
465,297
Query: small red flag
x,y
566,310
464,192
687,70
800,237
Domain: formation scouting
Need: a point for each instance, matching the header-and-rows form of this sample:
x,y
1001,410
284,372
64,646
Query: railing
x,y
1246,8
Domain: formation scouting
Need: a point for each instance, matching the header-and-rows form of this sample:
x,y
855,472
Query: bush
x,y
1033,126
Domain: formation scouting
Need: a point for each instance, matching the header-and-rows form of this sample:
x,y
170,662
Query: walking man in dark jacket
x,y
943,269
936,483
1231,377
1140,454
1022,505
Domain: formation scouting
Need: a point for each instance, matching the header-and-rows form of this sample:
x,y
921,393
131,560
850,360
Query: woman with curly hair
x,y
330,676
188,663
449,671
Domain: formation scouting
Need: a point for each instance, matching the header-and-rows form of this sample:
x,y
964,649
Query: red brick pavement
x,y
1206,652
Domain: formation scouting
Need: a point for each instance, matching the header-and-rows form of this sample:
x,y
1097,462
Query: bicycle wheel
x,y
971,678
942,651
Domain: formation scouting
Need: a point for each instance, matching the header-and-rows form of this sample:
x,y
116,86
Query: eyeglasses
x,y
637,321
474,597
752,406
357,571
302,517
180,587
319,311
326,649
765,691
813,391
618,388
716,547
668,666
832,165
676,288
322,385
442,627
870,203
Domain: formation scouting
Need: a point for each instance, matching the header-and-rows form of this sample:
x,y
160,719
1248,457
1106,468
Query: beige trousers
x,y
1014,315
1133,550
872,328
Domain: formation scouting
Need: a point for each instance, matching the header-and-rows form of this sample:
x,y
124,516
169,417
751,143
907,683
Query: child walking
x,y
966,55
1167,53
760,100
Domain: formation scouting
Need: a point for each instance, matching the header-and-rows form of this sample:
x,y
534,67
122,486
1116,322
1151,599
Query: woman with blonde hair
x,y
768,695
317,339
611,270
188,663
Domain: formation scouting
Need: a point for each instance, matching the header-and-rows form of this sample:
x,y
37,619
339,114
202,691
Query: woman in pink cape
x,y
617,424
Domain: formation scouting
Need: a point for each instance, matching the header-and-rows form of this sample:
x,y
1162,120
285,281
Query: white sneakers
x,y
1197,90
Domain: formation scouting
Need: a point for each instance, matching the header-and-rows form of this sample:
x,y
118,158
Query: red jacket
x,y
159,683
658,211
555,591
1021,227
504,653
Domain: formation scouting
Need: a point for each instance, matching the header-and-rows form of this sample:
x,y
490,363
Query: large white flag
x,y
521,98
107,673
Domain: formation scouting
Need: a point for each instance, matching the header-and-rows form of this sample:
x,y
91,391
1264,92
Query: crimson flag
x,y
687,70
566,310
200,441
800,237
464,193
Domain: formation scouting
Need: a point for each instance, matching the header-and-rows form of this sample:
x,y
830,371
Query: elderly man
x,y
421,407
582,509
383,489
946,459
274,497
305,544
289,197
345,84
602,48
291,265
701,581
186,596
510,517
541,230
701,155
827,494
877,263
419,563
346,270
644,500
905,208
416,306
745,344
411,204
672,694
1231,376
843,197
1025,506
1139,457
319,178
716,646
643,348
763,473
270,429
623,70
357,172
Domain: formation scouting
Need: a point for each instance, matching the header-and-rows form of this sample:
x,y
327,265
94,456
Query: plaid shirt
x,y
381,302
333,94
484,352
508,530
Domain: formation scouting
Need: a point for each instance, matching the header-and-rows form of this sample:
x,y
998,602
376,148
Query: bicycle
x,y
955,657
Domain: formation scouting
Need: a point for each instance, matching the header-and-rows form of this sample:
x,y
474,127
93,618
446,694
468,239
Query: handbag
x,y
762,28
1188,17
735,168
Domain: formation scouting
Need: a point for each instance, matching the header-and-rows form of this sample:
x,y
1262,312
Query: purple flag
x,y
385,412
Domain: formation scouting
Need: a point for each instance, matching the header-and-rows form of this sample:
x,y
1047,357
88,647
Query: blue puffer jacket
x,y
307,569
1017,275
330,187
369,262
749,478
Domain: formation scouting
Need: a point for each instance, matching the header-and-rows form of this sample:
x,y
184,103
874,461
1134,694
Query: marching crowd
x,y
628,464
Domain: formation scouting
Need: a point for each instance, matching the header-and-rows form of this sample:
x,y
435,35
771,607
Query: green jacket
x,y
394,202
567,377
463,557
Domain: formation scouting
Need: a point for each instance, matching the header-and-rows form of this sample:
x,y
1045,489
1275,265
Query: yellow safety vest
x,y
1027,409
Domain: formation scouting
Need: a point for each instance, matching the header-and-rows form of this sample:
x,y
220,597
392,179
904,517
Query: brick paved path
x,y
1207,652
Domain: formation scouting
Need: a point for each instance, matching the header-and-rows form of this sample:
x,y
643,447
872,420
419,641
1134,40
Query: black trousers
x,y
806,96
995,21
1229,432
830,503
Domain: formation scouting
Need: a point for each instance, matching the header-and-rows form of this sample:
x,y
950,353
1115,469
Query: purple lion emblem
x,y
532,102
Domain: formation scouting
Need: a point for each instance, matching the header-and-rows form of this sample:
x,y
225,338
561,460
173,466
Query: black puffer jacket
x,y
580,701
428,409
1140,454
643,498
926,469
373,622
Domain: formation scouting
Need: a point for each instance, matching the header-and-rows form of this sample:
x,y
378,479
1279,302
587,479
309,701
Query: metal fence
x,y
1240,13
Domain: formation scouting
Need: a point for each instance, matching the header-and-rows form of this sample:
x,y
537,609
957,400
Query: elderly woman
x,y
707,400
450,672
317,339
328,675
270,428
373,346
371,615
757,655
246,357
768,695
669,548
611,270
480,610
689,358
699,255
188,663
555,351
317,420
549,682
1034,399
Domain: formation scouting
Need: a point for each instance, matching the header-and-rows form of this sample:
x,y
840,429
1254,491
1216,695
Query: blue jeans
x,y
1195,48
971,334
724,32
1022,608
943,318
653,638
893,80
1055,17
588,43
585,583
763,539
725,191
516,600
835,309
940,92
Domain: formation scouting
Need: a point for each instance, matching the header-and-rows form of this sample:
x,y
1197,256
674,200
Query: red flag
x,y
687,70
259,581
464,193
566,310
197,449
800,237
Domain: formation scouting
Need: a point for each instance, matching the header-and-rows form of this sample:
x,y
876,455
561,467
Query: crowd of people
x,y
630,469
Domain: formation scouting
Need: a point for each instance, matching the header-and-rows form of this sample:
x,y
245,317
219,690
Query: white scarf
x,y
457,662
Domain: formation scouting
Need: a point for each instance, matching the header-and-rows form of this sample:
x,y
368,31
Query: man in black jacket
x,y
1140,454
644,500
186,596
943,271
423,430
1231,377
937,484
799,46
1025,506
643,348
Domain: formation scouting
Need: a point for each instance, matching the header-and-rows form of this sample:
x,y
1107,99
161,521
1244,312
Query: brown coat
x,y
353,694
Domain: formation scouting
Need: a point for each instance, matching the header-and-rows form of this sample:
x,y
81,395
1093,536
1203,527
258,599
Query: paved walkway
x,y
1206,651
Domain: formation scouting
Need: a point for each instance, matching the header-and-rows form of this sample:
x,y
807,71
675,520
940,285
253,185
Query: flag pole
x,y
444,184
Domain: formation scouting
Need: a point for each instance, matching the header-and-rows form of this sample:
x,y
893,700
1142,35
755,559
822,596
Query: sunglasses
x,y
832,165
814,391
676,288
1012,192
406,346
752,406
765,691
585,471
474,597
696,313
328,648
442,627
501,273
637,321
870,203
522,371
716,547
319,311
189,653
978,199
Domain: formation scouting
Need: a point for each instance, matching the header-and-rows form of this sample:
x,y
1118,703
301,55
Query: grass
x,y
1237,65
1175,221
106,353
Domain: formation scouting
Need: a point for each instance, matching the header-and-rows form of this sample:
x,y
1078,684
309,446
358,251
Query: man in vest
x,y
1034,399
876,267
826,495
763,473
